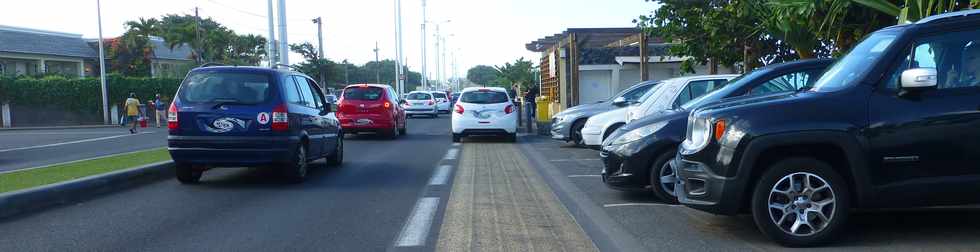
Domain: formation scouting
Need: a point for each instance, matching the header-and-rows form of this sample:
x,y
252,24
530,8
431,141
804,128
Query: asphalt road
x,y
361,206
21,149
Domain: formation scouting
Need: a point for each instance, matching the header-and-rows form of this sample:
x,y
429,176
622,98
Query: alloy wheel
x,y
667,178
802,204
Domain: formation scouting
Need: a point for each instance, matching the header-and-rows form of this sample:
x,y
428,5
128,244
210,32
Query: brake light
x,y
720,127
509,109
431,102
459,109
280,118
387,105
172,116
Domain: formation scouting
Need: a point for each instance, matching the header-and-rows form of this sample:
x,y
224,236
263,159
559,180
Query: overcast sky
x,y
488,32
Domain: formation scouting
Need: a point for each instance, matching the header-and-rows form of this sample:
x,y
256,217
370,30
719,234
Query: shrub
x,y
81,94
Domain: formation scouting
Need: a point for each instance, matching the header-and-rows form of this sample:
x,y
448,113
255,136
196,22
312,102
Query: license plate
x,y
362,122
417,103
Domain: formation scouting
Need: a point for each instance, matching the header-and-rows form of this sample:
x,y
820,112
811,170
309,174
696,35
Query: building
x,y
170,63
605,61
25,51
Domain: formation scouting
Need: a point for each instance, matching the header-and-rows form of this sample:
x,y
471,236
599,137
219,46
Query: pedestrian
x,y
161,110
132,111
529,100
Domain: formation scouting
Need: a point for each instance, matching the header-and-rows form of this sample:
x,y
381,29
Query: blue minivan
x,y
251,117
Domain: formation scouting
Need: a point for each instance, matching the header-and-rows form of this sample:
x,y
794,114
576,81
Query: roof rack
x,y
948,15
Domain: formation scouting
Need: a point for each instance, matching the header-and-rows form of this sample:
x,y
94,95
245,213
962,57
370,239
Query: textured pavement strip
x,y
499,203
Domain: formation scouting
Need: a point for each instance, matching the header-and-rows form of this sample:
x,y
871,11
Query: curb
x,y
38,198
60,127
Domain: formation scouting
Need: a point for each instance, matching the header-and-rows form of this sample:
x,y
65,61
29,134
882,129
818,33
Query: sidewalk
x,y
62,127
499,203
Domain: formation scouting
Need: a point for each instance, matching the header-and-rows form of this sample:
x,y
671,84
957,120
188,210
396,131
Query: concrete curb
x,y
34,199
61,127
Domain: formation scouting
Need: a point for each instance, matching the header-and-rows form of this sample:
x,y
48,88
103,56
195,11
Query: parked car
x,y
637,156
372,108
671,92
567,125
893,124
484,111
442,101
421,103
251,117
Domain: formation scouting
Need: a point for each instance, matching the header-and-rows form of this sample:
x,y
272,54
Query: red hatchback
x,y
371,108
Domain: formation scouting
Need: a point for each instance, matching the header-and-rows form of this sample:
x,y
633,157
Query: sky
x,y
488,32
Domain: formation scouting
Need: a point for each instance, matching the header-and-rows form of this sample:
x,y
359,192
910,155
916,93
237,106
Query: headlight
x,y
698,134
639,133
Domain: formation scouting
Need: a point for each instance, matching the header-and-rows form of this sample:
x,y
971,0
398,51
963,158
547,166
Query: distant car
x,y
637,156
251,117
442,101
421,103
455,98
567,124
484,111
332,99
372,108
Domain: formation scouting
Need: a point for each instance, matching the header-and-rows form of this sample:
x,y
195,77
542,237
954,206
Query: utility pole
x,y
105,90
438,76
444,62
283,42
424,77
346,77
271,46
319,37
377,69
398,48
197,36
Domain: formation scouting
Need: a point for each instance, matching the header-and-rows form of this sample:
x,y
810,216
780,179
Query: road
x,y
360,206
21,149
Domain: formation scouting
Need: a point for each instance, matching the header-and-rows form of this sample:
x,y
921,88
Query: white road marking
x,y
638,204
456,144
573,160
416,230
71,142
441,176
580,176
62,133
451,154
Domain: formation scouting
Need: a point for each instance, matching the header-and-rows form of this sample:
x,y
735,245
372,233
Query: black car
x,y
893,124
250,117
636,157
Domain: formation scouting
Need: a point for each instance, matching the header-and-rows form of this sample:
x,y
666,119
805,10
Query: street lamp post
x,y
319,37
425,81
105,90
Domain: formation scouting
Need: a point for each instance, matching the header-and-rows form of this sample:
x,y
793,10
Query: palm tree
x,y
913,10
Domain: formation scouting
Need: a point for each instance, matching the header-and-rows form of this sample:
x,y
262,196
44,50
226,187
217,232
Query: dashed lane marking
x,y
416,229
451,154
441,176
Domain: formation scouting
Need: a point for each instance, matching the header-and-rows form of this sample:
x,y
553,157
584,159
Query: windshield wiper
x,y
225,101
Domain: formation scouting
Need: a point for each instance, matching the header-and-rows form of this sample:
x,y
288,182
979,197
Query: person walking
x,y
529,100
161,110
132,111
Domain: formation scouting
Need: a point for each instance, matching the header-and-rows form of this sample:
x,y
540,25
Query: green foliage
x,y
908,11
81,94
337,75
483,75
520,72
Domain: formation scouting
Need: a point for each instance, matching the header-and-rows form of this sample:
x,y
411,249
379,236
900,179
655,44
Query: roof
x,y
162,51
608,55
586,37
31,41
369,85
479,88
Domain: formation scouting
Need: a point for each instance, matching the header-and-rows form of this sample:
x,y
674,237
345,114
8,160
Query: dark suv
x,y
250,116
895,123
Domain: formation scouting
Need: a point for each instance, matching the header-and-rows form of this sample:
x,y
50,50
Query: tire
x,y
456,138
404,129
663,176
299,167
337,158
186,174
392,133
576,133
512,137
777,185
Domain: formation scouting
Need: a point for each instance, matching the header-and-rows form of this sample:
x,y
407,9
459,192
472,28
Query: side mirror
x,y
620,102
402,101
919,79
327,109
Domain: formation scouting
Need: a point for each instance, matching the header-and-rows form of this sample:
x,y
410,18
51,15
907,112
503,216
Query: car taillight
x,y
459,109
172,116
280,118
509,109
431,102
387,105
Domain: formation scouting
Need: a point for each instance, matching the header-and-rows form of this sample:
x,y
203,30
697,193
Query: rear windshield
x,y
439,95
225,87
418,96
484,97
362,93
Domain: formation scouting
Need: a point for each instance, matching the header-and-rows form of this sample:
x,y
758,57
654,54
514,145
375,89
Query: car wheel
x,y
186,174
512,137
299,167
338,154
800,202
456,137
576,133
663,176
404,129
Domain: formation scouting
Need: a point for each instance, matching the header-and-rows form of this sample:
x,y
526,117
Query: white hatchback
x,y
442,101
484,111
420,103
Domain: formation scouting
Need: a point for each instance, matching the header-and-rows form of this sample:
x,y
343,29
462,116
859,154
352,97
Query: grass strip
x,y
51,174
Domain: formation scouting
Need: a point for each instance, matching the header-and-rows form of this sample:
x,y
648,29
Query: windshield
x,y
227,87
439,95
418,96
858,62
484,97
362,93
648,93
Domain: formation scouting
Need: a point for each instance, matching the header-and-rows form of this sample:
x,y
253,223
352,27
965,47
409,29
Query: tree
x,y
483,75
520,72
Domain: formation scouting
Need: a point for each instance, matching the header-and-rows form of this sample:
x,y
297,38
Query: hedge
x,y
82,94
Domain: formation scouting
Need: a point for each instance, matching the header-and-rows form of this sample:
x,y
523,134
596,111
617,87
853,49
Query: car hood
x,y
665,115
605,118
746,101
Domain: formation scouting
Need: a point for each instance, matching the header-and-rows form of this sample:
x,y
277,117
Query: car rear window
x,y
439,95
363,93
484,97
205,87
418,96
